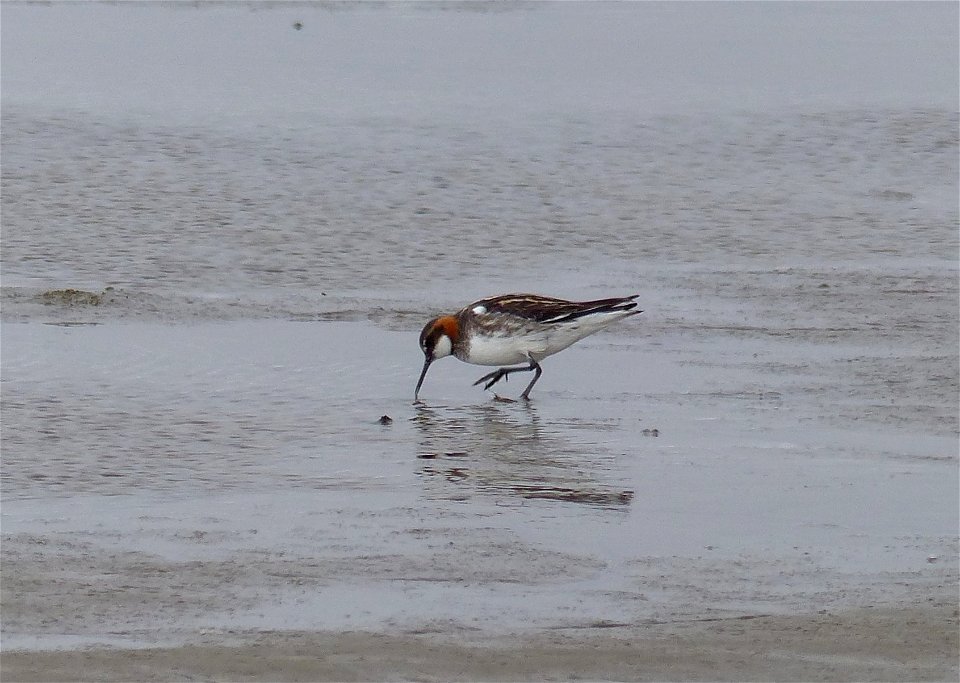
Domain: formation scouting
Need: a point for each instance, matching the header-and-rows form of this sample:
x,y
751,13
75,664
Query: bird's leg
x,y
499,374
534,365
504,373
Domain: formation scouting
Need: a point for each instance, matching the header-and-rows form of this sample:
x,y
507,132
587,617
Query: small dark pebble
x,y
297,25
651,432
385,420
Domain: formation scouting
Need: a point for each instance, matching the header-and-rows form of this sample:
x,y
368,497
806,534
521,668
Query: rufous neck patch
x,y
450,327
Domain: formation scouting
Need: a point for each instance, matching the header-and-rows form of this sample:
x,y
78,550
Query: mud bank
x,y
909,643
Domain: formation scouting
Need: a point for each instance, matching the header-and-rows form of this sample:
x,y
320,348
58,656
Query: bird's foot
x,y
492,378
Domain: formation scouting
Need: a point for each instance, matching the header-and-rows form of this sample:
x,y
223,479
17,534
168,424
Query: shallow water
x,y
273,498
191,443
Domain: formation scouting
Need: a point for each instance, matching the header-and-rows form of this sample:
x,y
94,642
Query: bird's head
x,y
436,341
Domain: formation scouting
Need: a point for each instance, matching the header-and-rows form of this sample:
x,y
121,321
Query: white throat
x,y
444,347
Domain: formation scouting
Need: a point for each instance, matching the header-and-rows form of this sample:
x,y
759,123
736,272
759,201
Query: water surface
x,y
214,276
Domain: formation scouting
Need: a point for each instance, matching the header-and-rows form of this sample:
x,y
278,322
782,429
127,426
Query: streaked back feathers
x,y
544,309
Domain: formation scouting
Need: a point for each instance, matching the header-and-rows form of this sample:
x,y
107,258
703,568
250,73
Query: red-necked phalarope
x,y
516,328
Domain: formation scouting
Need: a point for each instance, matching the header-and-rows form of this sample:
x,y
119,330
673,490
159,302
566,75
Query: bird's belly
x,y
500,350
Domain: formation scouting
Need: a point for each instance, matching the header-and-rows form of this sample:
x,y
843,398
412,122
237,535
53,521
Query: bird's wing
x,y
543,309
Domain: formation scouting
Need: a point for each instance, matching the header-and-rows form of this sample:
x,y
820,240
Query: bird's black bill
x,y
423,373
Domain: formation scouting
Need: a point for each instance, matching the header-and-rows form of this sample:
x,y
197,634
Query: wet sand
x,y
224,225
915,644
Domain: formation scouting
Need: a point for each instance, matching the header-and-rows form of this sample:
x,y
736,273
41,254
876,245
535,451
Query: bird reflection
x,y
506,449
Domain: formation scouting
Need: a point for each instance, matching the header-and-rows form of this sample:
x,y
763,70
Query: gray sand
x,y
221,236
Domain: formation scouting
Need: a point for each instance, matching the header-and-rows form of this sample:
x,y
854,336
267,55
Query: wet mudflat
x,y
154,496
214,277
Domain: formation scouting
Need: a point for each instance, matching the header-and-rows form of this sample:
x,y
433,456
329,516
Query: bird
x,y
516,328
